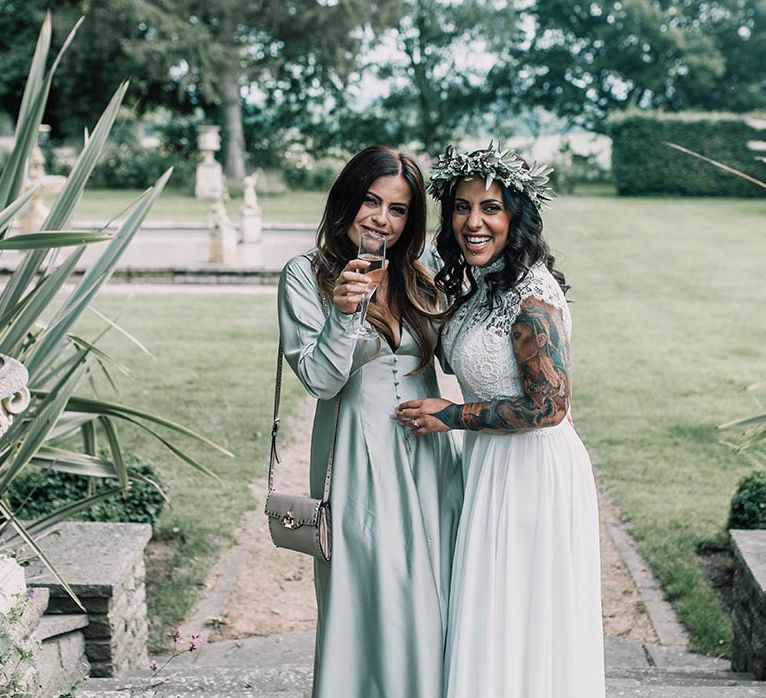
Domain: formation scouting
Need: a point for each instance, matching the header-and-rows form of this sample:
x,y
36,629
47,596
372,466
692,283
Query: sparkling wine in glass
x,y
372,249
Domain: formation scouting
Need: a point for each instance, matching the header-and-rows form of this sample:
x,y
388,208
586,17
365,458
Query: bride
x,y
525,603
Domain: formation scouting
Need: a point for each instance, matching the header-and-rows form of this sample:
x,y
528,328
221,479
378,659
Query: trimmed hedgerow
x,y
642,164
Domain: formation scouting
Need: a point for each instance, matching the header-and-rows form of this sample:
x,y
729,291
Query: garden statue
x,y
252,221
209,182
223,234
36,211
14,394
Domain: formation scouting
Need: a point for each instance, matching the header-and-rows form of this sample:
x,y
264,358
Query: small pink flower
x,y
155,665
30,593
176,637
196,643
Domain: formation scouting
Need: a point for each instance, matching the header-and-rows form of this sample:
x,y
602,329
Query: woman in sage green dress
x,y
383,598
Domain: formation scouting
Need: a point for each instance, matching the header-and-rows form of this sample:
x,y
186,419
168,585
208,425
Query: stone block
x,y
749,602
100,651
101,670
104,565
98,627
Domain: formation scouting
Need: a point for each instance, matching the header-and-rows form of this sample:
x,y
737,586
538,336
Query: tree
x,y
103,53
291,50
444,50
581,59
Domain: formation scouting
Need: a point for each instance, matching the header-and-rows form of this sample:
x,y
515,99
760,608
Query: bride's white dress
x,y
525,602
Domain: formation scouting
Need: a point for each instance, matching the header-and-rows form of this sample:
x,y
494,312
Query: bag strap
x,y
274,457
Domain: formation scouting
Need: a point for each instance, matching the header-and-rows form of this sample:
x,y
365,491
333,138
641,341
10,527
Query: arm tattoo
x,y
542,353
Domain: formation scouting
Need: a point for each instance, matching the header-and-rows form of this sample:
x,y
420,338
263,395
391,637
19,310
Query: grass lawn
x,y
298,207
668,305
668,310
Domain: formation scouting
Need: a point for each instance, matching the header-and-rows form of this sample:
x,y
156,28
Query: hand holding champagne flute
x,y
372,249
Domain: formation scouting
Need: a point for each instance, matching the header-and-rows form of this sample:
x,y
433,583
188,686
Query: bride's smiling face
x,y
480,221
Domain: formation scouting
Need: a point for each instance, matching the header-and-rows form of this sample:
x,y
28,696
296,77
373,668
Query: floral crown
x,y
505,166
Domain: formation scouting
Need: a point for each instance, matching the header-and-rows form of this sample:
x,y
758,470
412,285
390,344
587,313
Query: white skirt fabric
x,y
525,602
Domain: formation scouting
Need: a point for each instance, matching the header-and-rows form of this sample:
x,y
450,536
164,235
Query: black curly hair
x,y
526,247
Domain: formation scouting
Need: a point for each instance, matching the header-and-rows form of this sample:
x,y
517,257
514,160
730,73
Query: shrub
x,y
41,491
312,175
125,167
748,506
642,164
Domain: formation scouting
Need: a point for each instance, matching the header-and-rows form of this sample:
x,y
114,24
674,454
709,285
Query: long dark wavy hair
x,y
525,248
412,295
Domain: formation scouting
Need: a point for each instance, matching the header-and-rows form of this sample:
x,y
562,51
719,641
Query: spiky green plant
x,y
39,306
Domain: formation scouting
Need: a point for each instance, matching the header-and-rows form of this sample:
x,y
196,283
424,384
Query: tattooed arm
x,y
542,354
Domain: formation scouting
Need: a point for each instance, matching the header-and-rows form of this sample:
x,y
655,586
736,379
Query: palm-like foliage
x,y
753,428
39,306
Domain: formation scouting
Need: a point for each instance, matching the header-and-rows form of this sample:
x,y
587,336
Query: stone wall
x,y
104,565
749,603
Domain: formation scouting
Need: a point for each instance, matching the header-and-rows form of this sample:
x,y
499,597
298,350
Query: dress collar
x,y
481,272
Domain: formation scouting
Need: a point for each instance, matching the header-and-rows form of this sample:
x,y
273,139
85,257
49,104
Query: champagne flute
x,y
372,249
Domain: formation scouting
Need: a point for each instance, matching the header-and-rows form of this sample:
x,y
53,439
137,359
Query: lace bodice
x,y
478,346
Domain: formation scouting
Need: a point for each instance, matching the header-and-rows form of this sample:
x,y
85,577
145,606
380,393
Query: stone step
x,y
52,625
280,667
295,682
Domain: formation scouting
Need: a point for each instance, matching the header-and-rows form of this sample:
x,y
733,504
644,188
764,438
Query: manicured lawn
x,y
668,305
292,207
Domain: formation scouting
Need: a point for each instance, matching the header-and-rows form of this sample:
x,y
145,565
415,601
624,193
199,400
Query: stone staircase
x,y
280,667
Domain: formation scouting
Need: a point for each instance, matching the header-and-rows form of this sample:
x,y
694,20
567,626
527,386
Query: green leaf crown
x,y
491,163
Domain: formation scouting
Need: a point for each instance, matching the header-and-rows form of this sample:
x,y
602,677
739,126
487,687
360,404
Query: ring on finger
x,y
416,424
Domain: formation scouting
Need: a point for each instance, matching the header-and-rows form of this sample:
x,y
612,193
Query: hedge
x,y
642,164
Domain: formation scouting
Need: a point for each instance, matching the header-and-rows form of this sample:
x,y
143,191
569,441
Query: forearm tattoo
x,y
542,354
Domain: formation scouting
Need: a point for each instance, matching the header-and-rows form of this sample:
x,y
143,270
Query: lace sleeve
x,y
539,284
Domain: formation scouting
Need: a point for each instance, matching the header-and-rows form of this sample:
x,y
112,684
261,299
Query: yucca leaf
x,y
83,404
92,281
48,241
97,353
719,165
116,451
65,460
744,423
25,122
65,513
36,69
63,209
7,214
12,179
41,300
177,451
89,438
26,536
113,324
103,267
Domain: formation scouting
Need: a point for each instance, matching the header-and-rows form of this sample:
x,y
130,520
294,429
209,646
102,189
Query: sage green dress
x,y
395,501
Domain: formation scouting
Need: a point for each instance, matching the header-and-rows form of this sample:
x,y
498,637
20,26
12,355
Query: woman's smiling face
x,y
480,221
384,209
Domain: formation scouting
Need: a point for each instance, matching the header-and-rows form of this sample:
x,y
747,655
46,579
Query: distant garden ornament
x,y
14,393
36,211
209,182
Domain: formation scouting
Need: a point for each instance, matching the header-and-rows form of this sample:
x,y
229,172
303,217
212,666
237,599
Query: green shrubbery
x,y
312,175
748,506
39,492
133,167
642,164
